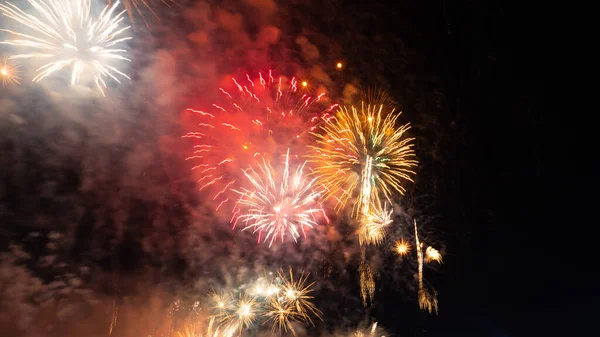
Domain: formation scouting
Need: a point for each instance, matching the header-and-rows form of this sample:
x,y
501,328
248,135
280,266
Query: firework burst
x,y
278,203
296,295
9,72
66,35
362,153
264,116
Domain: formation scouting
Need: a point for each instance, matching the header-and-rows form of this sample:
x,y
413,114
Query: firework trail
x,y
9,72
367,282
427,301
363,154
374,223
278,203
132,6
260,117
67,35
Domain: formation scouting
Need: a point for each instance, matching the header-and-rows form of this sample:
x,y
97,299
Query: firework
x,y
433,255
427,301
212,330
132,6
66,35
296,294
279,301
264,116
281,315
9,72
362,153
367,282
402,247
278,203
372,332
373,225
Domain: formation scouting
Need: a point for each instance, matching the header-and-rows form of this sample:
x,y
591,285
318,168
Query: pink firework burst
x,y
254,118
279,202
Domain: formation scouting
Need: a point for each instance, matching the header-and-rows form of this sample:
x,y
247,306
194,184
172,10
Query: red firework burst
x,y
259,117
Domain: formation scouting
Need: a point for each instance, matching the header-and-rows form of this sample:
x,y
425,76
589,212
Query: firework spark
x,y
244,313
264,116
374,223
363,153
67,35
296,294
281,315
427,301
278,203
433,255
9,72
402,247
367,282
212,330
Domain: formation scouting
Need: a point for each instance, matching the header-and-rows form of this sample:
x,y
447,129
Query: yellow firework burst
x,y
296,296
402,247
361,152
281,314
9,72
244,313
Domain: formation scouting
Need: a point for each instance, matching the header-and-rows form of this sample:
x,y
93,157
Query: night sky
x,y
109,175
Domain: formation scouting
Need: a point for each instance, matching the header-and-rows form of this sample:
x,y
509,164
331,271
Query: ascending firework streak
x,y
264,116
279,302
426,300
278,203
67,36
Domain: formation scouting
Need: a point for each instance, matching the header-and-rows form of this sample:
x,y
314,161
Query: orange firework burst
x,y
9,72
256,118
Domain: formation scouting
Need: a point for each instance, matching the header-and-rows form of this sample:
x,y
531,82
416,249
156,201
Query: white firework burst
x,y
65,33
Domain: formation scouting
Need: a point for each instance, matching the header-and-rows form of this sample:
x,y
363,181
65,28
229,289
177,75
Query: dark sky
x,y
506,198
495,184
